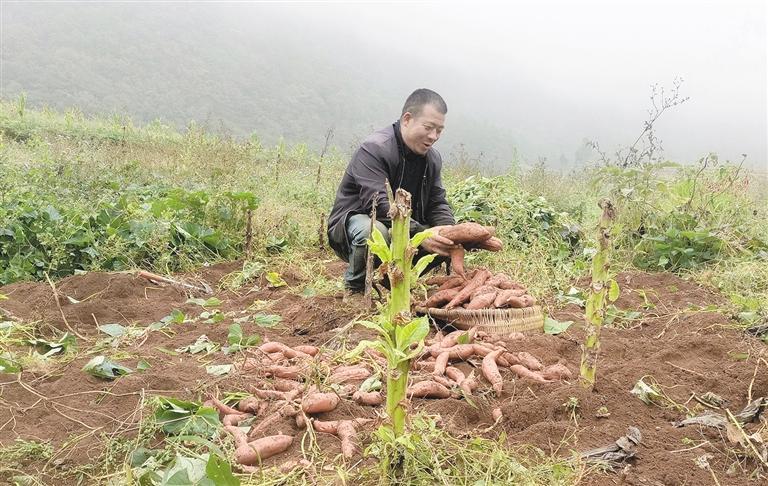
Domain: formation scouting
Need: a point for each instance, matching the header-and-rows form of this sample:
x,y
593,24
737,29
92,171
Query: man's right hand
x,y
437,243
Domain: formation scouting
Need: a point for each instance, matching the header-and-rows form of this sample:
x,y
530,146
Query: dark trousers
x,y
358,232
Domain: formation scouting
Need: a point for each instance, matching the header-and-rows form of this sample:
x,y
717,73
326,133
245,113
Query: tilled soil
x,y
685,349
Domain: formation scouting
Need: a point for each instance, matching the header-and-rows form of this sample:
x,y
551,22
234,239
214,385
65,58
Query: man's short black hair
x,y
423,96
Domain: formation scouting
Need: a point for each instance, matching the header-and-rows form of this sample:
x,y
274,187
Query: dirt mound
x,y
686,350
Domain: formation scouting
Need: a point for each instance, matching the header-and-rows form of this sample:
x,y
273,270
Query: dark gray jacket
x,y
381,157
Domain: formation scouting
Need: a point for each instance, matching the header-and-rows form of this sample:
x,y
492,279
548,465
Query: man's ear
x,y
406,118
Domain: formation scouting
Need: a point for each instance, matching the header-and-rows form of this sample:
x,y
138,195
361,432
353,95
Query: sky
x,y
547,74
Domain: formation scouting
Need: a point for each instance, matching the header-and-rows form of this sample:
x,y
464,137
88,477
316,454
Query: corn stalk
x,y
401,336
603,289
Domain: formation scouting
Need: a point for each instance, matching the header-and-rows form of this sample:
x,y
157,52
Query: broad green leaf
x,y
210,302
613,292
220,472
175,317
411,333
184,417
421,236
645,392
235,334
421,265
379,247
49,348
553,326
101,367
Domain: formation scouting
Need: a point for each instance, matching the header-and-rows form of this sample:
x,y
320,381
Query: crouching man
x,y
403,154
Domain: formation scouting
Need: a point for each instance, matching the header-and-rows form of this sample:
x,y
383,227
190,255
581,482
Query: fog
x,y
529,81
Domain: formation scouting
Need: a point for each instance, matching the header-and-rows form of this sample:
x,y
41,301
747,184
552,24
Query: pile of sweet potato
x,y
480,289
291,386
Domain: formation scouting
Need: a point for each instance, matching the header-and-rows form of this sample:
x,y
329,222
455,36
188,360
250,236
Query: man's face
x,y
422,131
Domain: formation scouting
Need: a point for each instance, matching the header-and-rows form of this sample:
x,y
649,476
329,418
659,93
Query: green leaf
x,y
554,327
201,344
101,367
218,370
49,348
175,317
266,320
180,416
463,338
235,334
7,365
413,332
738,356
113,330
143,365
372,383
379,247
275,280
220,472
645,392
205,303
613,292
421,236
421,265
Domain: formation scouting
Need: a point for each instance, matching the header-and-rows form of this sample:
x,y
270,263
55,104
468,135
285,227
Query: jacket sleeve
x,y
438,212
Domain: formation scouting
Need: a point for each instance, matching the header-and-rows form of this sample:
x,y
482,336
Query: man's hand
x,y
438,244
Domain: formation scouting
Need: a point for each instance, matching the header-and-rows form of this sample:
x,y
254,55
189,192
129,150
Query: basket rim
x,y
437,312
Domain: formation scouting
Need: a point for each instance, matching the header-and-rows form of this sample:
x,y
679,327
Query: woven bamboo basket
x,y
500,322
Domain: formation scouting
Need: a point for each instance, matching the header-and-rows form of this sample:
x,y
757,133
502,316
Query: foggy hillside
x,y
520,84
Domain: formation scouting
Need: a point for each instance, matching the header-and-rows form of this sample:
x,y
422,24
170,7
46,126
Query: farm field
x,y
107,375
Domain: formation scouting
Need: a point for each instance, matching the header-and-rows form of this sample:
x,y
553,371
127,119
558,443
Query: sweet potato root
x,y
307,349
427,389
250,405
455,374
483,289
529,361
344,374
457,261
347,433
441,297
223,408
438,279
463,296
258,450
509,298
466,233
319,402
483,301
440,363
496,414
460,351
491,371
556,372
368,398
287,372
491,244
234,419
524,372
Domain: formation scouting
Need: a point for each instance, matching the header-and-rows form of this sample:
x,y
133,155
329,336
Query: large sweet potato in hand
x,y
466,233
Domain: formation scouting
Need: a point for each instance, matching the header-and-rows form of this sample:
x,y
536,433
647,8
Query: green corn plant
x,y
401,336
603,289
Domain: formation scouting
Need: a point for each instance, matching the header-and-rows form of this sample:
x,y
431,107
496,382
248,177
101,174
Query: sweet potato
x,y
368,398
319,402
477,281
343,374
453,282
428,366
452,338
466,233
460,351
287,372
427,389
457,261
483,289
307,349
332,426
223,408
491,371
443,381
440,298
556,372
250,405
529,361
482,350
468,385
491,244
347,433
260,449
455,374
438,279
271,420
441,362
235,418
505,297
483,301
509,358
524,372
287,385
